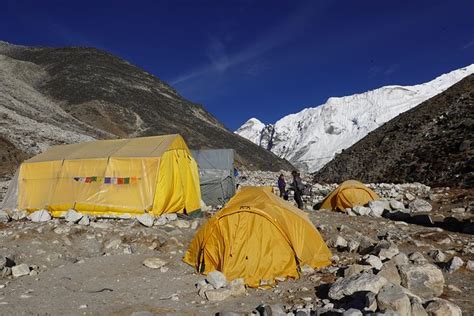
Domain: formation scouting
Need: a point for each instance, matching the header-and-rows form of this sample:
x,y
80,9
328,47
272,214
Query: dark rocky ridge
x,y
108,97
431,144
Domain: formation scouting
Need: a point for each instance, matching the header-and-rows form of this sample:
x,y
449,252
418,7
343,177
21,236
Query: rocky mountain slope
x,y
310,139
431,144
63,95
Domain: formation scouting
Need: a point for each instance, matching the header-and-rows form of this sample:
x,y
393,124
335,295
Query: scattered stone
x,y
194,225
437,255
160,221
113,244
385,250
409,196
392,297
417,258
20,270
420,206
390,272
352,312
361,210
454,288
470,265
237,287
271,310
4,217
72,216
154,263
454,264
181,223
353,246
84,221
425,281
19,214
356,283
374,261
459,210
440,307
377,207
306,269
146,219
396,205
217,279
417,309
338,242
40,216
171,217
218,295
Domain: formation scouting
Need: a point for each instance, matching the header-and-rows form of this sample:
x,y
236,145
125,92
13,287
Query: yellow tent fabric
x,y
347,195
257,236
112,177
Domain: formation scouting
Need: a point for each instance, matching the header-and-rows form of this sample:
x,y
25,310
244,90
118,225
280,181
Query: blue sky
x,y
263,59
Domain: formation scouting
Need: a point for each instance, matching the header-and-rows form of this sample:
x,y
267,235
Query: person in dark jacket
x,y
298,187
282,185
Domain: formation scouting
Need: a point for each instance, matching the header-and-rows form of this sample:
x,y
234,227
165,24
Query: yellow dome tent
x,y
347,195
112,177
257,236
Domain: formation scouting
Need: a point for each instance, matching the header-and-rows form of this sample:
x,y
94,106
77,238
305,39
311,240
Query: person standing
x,y
298,188
282,185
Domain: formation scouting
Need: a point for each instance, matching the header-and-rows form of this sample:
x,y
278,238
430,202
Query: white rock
x,y
40,216
418,258
425,281
377,207
417,309
470,265
194,224
338,242
218,295
72,216
181,223
85,221
171,216
20,270
154,263
392,297
352,312
437,255
217,279
396,205
306,269
373,261
146,219
113,244
454,264
361,210
4,217
409,196
19,214
458,210
420,206
440,307
353,245
161,220
356,283
237,287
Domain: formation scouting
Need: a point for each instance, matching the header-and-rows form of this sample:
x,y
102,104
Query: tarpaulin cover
x,y
257,236
216,174
347,195
112,177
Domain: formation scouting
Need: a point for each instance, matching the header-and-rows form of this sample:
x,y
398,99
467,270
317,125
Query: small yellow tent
x,y
348,194
257,236
112,177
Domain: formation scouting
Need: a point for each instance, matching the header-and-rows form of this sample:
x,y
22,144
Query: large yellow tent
x,y
257,236
347,195
112,177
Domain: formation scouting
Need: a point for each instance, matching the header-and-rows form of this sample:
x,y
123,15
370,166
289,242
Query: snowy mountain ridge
x,y
312,137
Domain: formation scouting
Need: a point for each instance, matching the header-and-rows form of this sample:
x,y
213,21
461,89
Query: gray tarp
x,y
216,174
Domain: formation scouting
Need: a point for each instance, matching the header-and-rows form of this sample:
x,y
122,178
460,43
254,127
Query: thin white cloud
x,y
468,44
221,60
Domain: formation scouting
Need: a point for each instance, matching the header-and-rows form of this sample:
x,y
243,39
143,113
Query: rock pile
x,y
216,287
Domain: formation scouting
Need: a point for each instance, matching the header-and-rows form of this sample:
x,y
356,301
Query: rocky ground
x,y
399,255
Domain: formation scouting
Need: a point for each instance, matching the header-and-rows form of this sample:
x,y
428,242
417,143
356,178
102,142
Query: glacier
x,y
312,137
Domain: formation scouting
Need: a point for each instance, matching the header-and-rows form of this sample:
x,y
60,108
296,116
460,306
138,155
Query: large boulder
x,y
356,283
393,297
40,216
440,307
420,206
425,281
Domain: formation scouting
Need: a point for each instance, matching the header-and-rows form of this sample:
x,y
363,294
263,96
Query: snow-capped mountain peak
x,y
310,138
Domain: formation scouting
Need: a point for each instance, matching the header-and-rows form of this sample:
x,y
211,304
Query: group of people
x,y
297,186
